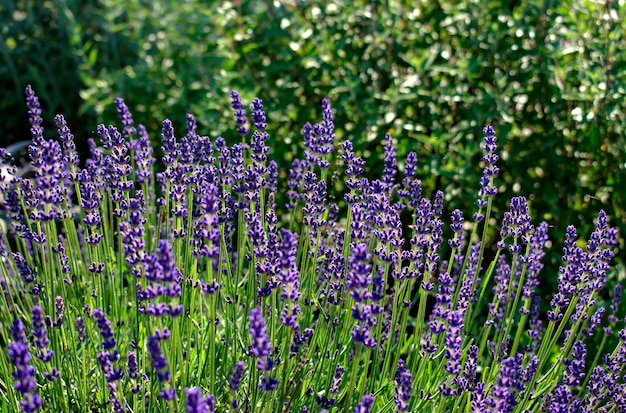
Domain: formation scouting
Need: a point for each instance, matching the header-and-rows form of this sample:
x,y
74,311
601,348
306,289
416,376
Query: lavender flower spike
x,y
487,189
159,362
126,117
34,116
240,113
365,405
260,346
404,387
24,372
41,340
390,168
104,325
195,402
235,380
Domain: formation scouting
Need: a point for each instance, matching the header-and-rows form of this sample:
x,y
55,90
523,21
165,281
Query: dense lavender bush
x,y
124,289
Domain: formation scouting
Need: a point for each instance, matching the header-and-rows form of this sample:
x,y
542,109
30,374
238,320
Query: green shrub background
x,y
550,76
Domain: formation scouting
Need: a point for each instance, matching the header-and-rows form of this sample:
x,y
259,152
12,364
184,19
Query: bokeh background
x,y
549,75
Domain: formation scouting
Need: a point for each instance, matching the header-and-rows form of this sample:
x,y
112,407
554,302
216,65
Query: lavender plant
x,y
125,289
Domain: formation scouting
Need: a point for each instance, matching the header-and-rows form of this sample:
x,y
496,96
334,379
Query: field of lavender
x,y
129,288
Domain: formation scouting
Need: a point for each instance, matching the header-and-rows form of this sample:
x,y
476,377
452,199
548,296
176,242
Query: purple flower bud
x,y
195,402
487,189
404,387
354,167
575,367
106,359
503,396
133,373
159,362
34,116
27,274
170,147
561,399
240,113
24,372
453,342
288,275
41,335
456,225
258,115
235,380
126,117
617,297
365,404
260,346
80,329
389,171
337,377
359,275
104,325
516,222
70,155
168,393
268,383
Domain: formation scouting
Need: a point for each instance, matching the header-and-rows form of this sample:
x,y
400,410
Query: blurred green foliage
x,y
549,75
